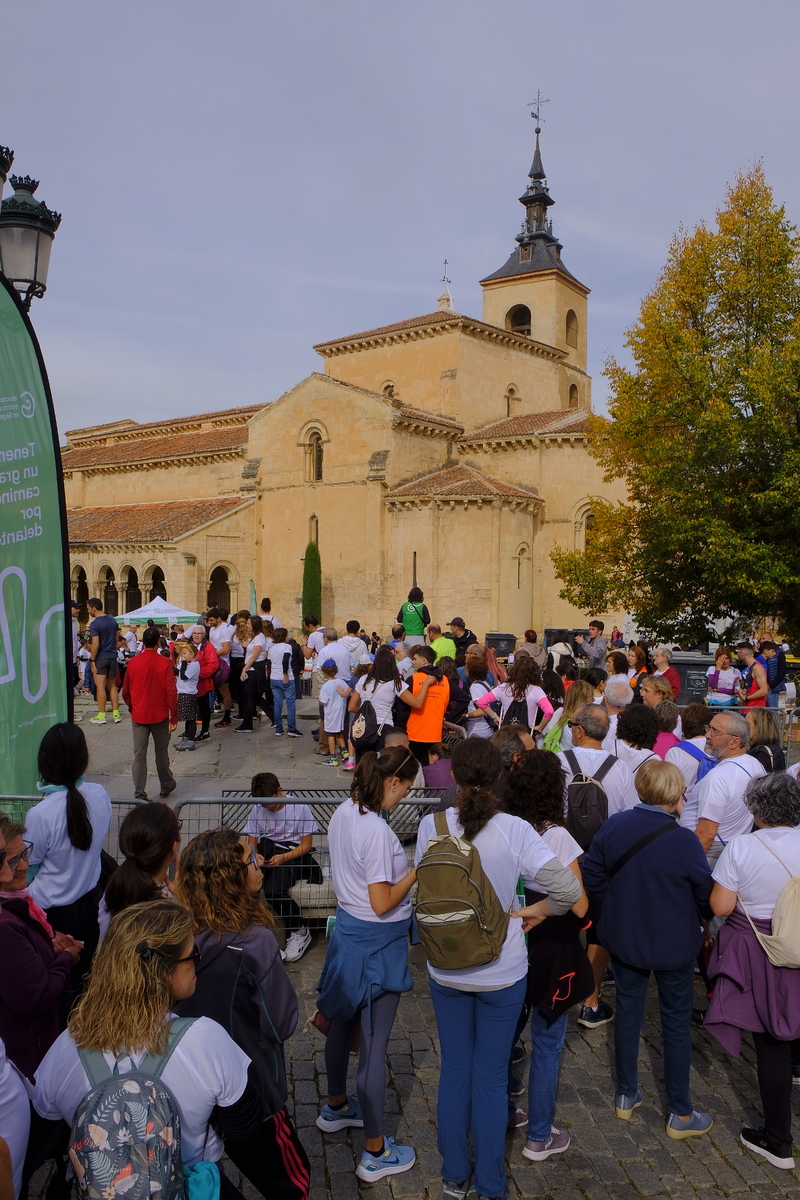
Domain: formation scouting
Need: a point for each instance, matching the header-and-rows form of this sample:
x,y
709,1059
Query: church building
x,y
444,451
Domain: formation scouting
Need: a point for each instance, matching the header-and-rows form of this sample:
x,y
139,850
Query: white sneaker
x,y
296,944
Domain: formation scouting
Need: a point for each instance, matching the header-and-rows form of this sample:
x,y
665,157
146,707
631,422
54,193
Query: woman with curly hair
x,y
521,699
145,965
535,792
617,666
477,1008
242,984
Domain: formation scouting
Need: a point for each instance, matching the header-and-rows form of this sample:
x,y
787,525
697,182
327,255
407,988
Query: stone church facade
x,y
445,450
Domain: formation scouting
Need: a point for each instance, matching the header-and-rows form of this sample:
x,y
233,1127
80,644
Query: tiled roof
x,y
434,318
416,414
460,481
127,427
528,424
176,445
145,522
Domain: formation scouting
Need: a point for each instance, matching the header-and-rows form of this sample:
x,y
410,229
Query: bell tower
x,y
533,293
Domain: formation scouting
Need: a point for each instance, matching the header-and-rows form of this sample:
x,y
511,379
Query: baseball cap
x,y
74,604
457,621
330,663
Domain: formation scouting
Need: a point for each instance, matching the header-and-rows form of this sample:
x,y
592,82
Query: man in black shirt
x,y
462,636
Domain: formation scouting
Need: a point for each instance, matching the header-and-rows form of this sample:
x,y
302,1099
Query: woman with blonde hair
x,y
242,984
556,734
765,739
653,689
145,965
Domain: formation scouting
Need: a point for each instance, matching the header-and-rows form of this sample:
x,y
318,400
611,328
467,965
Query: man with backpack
x,y
690,756
715,807
597,786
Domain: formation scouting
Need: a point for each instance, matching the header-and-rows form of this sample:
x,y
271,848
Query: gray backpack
x,y
782,946
126,1133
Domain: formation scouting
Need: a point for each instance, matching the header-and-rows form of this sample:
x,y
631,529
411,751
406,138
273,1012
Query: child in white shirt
x,y
188,677
333,699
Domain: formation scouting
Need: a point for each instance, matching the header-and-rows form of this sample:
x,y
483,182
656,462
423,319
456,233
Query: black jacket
x,y
243,985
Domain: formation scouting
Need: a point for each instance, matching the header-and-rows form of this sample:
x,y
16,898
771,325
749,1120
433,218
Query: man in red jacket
x,y
151,695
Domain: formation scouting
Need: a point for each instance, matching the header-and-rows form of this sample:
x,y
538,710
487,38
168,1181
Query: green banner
x,y
35,687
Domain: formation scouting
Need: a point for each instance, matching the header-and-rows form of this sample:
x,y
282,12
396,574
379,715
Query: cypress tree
x,y
312,582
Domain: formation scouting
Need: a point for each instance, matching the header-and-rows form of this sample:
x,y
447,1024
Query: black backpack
x,y
587,802
516,714
365,728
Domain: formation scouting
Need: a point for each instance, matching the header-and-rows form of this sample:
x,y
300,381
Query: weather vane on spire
x,y
445,279
536,106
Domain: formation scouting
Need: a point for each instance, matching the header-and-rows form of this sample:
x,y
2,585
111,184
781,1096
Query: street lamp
x,y
27,228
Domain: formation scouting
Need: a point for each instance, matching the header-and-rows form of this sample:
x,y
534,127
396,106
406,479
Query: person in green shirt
x,y
441,646
414,617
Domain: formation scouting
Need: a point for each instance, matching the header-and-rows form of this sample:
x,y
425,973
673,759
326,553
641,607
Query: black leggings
x,y
235,684
774,1065
205,706
273,1160
257,692
371,1077
80,920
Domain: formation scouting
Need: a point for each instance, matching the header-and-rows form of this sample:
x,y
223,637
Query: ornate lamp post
x,y
27,228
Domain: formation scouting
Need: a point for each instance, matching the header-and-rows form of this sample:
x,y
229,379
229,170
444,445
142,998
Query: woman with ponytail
x,y
149,841
366,964
67,829
477,1008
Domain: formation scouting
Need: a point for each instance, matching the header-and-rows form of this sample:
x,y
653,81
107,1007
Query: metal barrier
x,y
16,806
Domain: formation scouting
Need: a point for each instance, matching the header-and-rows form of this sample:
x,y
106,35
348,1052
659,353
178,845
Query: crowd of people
x,y
588,829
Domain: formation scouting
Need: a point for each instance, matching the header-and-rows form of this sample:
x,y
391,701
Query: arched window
x,y
572,330
314,456
518,319
573,395
522,562
110,596
80,592
588,528
313,528
219,592
389,390
511,396
158,587
132,593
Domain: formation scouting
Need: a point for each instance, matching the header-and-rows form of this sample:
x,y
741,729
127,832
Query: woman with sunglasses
x,y
242,984
42,961
366,964
149,841
145,966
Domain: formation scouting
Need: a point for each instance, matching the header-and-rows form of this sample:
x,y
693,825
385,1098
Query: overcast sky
x,y
241,180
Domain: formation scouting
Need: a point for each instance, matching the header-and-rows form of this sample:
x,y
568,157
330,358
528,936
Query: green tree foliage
x,y
705,431
312,582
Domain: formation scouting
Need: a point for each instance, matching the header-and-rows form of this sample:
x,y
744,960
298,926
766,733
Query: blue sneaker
x,y
624,1105
699,1122
331,1120
394,1160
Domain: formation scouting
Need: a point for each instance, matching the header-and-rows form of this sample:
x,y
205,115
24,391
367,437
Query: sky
x,y
239,181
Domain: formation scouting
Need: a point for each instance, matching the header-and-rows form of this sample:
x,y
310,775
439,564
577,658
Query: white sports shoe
x,y
296,944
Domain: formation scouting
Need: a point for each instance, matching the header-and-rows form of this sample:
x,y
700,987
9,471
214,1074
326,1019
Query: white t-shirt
x,y
687,765
316,642
274,622
794,770
731,678
275,655
340,655
611,736
15,1116
65,873
508,847
130,640
618,679
405,666
334,704
617,784
206,1068
381,696
237,648
188,686
365,850
719,797
288,824
755,873
256,649
479,726
217,634
563,844
632,758
566,732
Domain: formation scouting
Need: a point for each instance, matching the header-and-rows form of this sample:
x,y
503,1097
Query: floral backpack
x,y
126,1133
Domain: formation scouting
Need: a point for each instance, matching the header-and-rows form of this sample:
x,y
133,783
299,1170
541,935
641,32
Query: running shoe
x,y
624,1105
296,944
331,1120
757,1141
100,719
349,765
394,1160
699,1122
558,1141
117,717
592,1018
330,762
295,733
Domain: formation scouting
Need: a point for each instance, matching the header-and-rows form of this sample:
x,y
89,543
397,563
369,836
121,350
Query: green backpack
x,y
552,739
460,920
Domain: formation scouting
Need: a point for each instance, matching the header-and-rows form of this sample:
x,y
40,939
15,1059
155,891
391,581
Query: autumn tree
x,y
705,432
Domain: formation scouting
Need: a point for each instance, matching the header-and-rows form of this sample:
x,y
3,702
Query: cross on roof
x,y
444,277
536,106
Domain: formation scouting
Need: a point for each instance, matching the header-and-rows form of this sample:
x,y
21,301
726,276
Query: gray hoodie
x,y
242,984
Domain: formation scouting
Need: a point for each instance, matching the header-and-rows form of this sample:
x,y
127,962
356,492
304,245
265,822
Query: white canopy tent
x,y
159,611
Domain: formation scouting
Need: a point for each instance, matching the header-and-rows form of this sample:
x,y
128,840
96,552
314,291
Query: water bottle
x,y
325,862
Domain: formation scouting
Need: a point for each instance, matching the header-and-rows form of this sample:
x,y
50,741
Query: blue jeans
x,y
476,1033
284,691
675,1003
546,1047
773,699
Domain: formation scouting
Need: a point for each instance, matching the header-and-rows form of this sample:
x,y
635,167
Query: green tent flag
x,y
35,640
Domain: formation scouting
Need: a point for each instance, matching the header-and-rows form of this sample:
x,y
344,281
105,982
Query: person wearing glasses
x,y
42,961
366,964
145,966
242,984
149,841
